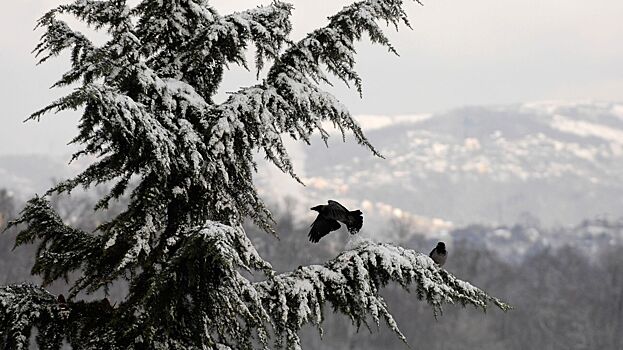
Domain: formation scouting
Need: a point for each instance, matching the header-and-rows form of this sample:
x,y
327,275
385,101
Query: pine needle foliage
x,y
185,162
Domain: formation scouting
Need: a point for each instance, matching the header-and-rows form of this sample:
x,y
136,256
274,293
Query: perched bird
x,y
439,254
328,217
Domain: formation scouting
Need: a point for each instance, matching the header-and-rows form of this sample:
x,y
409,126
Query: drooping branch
x,y
214,256
208,299
53,260
23,307
350,283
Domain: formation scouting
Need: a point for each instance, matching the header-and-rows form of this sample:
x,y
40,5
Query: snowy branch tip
x,y
351,283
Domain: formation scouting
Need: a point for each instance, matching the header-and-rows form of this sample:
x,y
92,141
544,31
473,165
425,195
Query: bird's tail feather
x,y
356,221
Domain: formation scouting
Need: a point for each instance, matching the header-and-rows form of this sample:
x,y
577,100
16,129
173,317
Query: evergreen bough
x,y
186,163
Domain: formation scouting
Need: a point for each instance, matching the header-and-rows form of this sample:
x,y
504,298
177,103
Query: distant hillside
x,y
559,162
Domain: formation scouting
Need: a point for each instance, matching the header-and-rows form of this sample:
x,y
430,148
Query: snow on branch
x,y
58,37
267,26
23,307
228,244
88,61
98,13
53,260
148,90
351,282
290,100
333,45
152,83
189,40
218,303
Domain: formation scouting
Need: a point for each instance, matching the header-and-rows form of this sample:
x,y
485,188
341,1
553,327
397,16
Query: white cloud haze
x,y
460,53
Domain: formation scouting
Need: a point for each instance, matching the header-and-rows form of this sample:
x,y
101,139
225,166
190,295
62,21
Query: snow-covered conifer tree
x,y
186,163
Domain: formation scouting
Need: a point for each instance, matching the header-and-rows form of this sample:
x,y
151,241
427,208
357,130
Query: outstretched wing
x,y
336,211
321,227
336,206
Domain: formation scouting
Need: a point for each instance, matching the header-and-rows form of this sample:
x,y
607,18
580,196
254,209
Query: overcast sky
x,y
477,52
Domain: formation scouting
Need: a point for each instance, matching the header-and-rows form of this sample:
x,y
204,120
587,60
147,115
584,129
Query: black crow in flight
x,y
439,254
328,217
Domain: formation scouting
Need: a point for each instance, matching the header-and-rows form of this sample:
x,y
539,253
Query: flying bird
x,y
328,217
439,254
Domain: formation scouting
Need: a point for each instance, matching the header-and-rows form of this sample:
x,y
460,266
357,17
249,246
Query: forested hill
x,y
559,162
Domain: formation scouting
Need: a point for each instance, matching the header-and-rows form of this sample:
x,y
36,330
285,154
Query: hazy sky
x,y
460,53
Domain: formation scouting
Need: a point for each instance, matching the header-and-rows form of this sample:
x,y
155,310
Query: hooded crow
x,y
439,254
328,217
